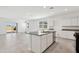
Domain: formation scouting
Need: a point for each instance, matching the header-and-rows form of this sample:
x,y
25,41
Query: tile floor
x,y
62,46
18,43
12,42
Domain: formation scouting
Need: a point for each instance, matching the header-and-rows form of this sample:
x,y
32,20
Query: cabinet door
x,y
66,22
74,21
35,44
69,22
78,21
67,35
28,41
49,39
43,43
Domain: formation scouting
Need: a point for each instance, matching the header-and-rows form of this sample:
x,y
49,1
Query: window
x,y
43,25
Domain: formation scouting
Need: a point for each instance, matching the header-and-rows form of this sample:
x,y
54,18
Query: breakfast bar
x,y
40,42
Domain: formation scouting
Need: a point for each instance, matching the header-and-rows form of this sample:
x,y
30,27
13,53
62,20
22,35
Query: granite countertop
x,y
41,34
70,29
36,33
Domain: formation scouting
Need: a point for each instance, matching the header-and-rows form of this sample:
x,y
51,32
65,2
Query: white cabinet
x,y
43,43
28,41
66,22
78,21
51,23
35,43
67,34
49,39
33,25
40,43
72,21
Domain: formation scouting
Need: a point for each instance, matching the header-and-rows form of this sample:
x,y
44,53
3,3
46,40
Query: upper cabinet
x,y
51,23
74,21
71,21
67,22
78,21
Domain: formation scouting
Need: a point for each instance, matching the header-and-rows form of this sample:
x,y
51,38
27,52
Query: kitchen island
x,y
40,42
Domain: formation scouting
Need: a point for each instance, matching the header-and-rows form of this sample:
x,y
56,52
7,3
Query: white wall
x,y
21,26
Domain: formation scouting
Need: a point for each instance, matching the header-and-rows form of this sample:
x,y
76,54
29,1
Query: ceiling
x,y
34,12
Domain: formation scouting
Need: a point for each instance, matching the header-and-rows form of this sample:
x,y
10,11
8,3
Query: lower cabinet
x,y
40,43
28,41
49,39
35,46
43,43
67,34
